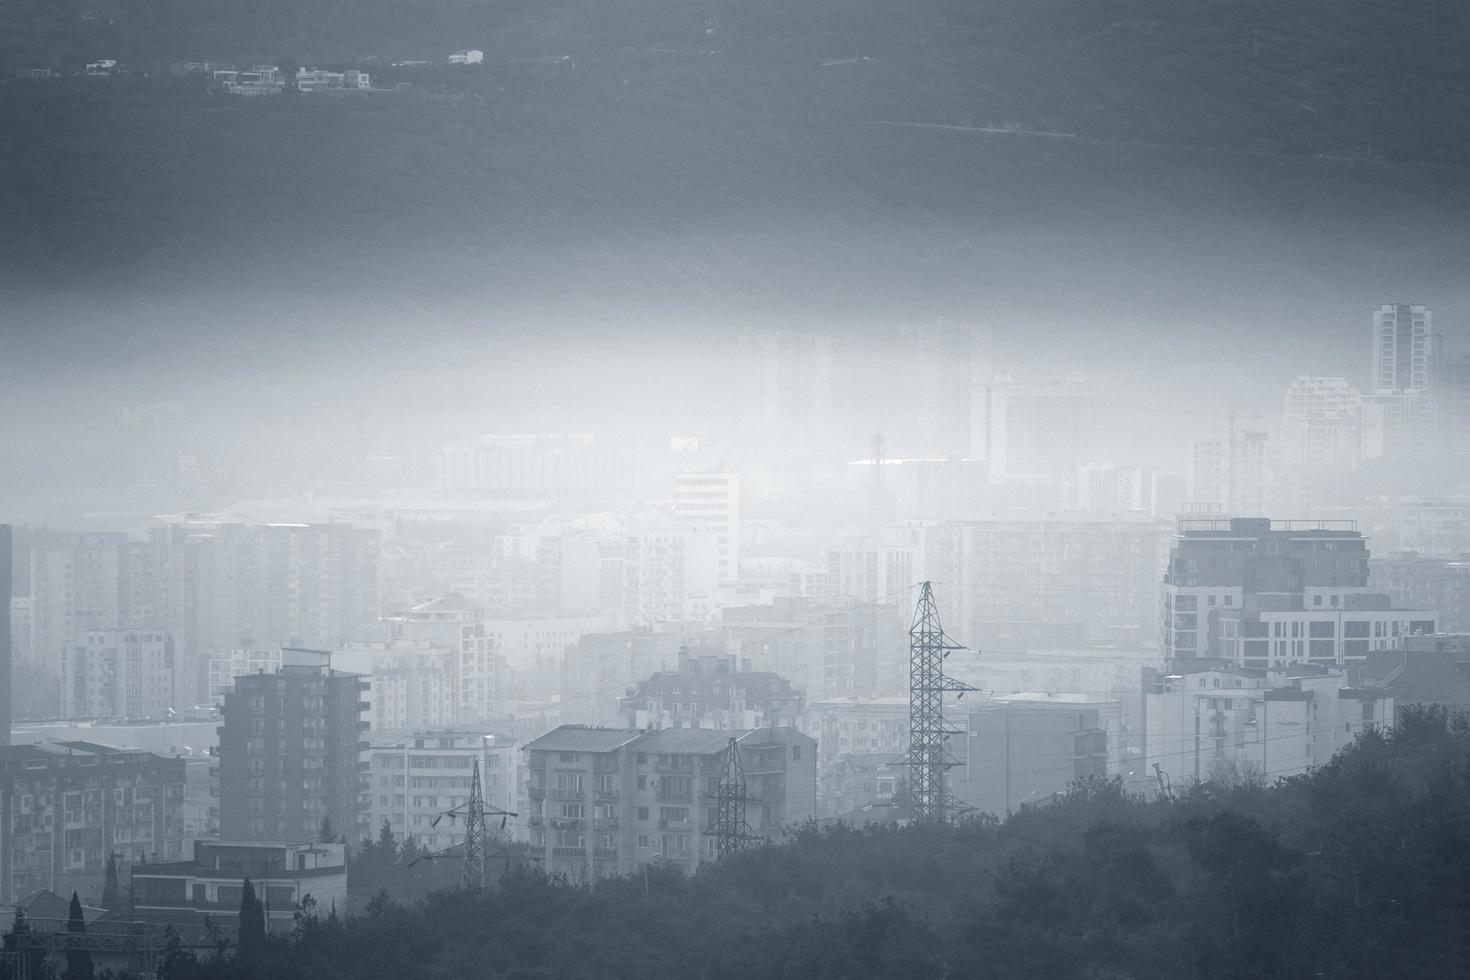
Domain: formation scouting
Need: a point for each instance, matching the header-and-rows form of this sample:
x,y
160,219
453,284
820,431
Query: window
x,y
643,813
642,781
796,752
567,756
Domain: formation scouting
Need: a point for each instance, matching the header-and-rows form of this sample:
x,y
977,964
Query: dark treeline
x,y
1361,869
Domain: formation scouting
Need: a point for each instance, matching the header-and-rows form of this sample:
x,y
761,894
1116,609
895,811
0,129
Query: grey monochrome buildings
x,y
289,752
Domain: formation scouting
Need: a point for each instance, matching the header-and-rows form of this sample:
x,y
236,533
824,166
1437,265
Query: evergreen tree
x,y
78,961
111,889
252,922
326,835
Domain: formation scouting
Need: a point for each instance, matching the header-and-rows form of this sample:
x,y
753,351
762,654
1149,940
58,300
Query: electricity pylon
x,y
927,758
731,831
476,837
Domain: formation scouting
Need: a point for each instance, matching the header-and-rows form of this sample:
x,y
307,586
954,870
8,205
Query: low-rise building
x,y
1025,748
602,801
1220,721
1423,670
282,875
319,80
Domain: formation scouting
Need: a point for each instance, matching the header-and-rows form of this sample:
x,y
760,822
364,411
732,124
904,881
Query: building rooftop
x,y
580,738
690,741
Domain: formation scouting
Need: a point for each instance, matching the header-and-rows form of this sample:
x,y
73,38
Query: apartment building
x,y
69,805
1216,563
289,751
602,801
122,674
712,691
415,780
1269,631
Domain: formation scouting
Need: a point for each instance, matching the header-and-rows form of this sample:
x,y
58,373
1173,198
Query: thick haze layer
x,y
1195,200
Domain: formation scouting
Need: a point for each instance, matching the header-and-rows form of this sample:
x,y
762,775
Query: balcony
x,y
610,795
672,796
605,823
536,792
564,794
675,765
675,824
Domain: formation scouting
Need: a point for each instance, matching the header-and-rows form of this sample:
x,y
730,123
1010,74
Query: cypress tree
x,y
78,961
252,921
111,889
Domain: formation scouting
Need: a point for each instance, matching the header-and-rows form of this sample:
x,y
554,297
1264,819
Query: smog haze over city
x,y
668,488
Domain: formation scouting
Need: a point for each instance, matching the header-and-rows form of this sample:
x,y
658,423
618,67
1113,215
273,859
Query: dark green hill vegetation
x,y
1361,869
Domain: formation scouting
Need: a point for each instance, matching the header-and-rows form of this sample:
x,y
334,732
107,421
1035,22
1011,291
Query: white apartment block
x,y
711,501
121,674
415,780
1405,349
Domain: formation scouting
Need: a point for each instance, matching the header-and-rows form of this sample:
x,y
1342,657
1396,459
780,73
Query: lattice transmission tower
x,y
928,758
476,836
731,832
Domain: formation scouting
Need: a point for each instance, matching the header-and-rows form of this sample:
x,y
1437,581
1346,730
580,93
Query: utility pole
x,y
927,758
731,832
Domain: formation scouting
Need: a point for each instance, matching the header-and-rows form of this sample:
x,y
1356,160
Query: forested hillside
x,y
1361,869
